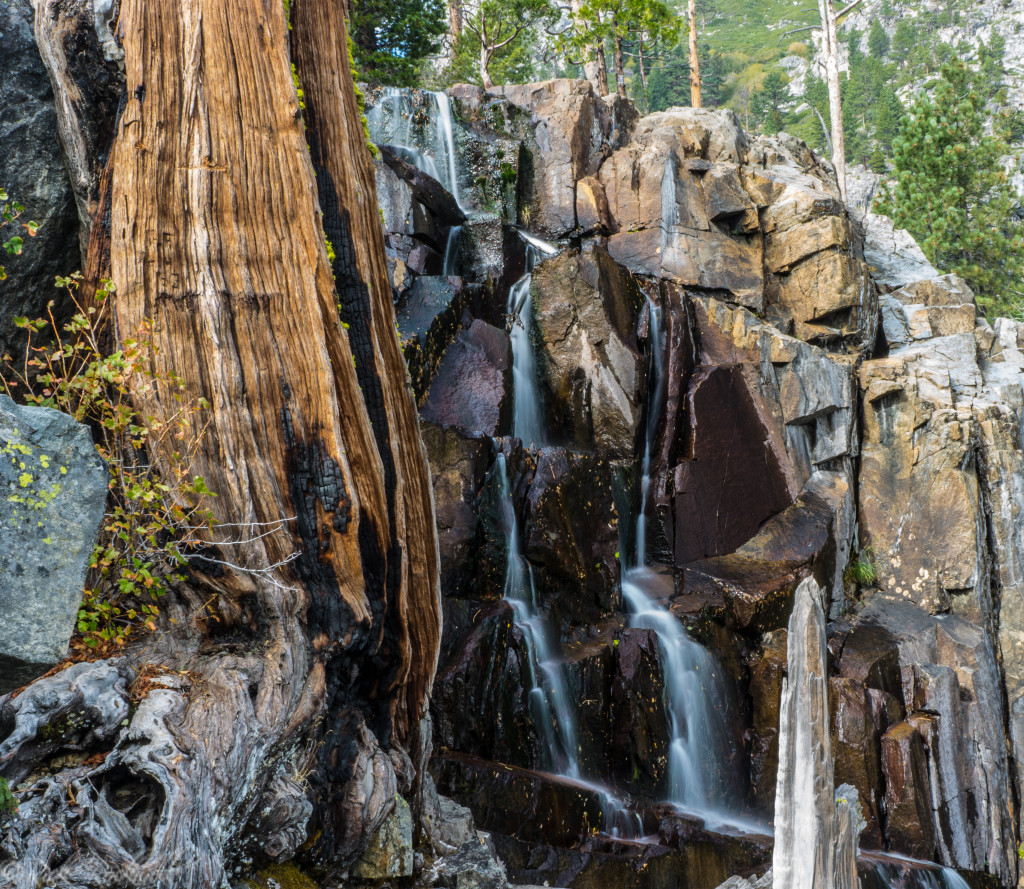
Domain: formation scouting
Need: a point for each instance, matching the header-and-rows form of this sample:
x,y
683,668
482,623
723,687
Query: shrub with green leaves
x,y
10,212
153,519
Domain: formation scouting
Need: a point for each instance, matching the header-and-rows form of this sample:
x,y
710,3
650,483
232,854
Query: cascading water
x,y
451,248
552,708
549,699
694,697
527,425
430,148
892,875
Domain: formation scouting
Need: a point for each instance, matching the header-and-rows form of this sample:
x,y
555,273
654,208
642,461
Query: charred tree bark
x,y
295,678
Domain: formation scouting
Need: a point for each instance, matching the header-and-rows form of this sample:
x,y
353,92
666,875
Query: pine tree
x,y
391,38
766,102
952,193
878,40
888,113
903,41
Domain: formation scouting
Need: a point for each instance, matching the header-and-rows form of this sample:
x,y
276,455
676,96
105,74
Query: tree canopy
x,y
391,38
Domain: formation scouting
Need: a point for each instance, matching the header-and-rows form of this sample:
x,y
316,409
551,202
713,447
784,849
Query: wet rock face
x,y
422,190
55,492
470,390
481,693
428,317
811,405
586,309
732,482
571,535
32,171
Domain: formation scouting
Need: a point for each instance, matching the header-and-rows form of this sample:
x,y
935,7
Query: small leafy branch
x,y
153,519
10,212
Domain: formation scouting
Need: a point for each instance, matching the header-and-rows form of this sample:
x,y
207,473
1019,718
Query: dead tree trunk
x,y
830,48
695,96
309,663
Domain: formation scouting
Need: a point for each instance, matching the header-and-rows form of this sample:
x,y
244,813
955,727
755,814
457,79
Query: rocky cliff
x,y
830,405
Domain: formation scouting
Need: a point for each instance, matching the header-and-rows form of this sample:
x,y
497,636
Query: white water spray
x,y
694,698
430,148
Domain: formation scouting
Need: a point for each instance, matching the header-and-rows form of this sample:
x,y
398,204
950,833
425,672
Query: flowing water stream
x,y
430,148
695,699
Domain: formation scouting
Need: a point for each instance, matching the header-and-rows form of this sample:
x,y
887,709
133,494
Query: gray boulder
x,y
32,171
54,488
474,866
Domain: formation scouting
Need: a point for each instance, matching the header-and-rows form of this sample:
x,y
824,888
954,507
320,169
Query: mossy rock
x,y
279,876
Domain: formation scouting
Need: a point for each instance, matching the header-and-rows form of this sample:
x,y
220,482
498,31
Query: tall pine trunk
x,y
310,666
620,69
695,92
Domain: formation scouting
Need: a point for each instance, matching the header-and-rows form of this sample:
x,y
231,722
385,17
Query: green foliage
x,y
10,212
903,41
8,804
952,193
494,46
151,520
392,38
669,81
766,102
878,40
861,570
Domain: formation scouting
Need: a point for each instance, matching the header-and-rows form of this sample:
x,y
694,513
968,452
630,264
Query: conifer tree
x,y
878,40
951,191
391,38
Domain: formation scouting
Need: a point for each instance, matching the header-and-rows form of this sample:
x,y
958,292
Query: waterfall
x,y
804,852
447,135
694,697
552,708
918,875
430,147
451,248
527,424
550,705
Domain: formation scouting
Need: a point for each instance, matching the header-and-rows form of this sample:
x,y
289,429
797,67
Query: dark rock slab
x,y
733,480
54,492
766,675
32,171
571,535
754,584
428,317
457,468
471,389
481,694
425,189
534,806
907,807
